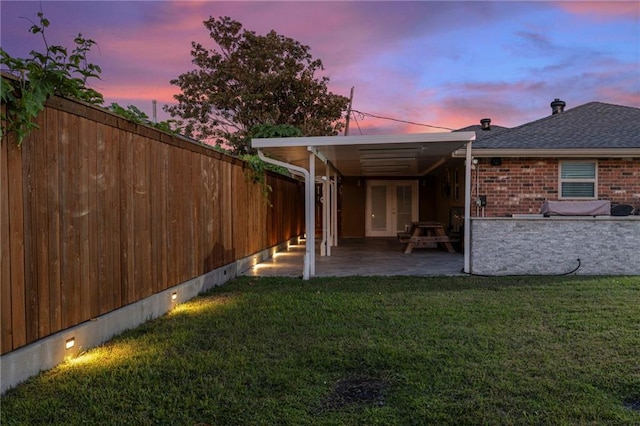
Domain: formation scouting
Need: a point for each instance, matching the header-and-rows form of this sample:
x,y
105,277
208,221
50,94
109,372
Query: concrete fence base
x,y
46,353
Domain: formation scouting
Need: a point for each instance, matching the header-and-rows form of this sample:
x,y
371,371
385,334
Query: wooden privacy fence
x,y
98,212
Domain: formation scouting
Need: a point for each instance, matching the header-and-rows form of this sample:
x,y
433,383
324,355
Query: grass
x,y
362,351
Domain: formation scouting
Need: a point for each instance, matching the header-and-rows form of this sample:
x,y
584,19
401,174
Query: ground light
x,y
69,343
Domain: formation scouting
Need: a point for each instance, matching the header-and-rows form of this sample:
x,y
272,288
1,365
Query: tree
x,y
252,80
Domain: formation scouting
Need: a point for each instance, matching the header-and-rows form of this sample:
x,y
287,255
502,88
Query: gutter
x,y
570,153
308,268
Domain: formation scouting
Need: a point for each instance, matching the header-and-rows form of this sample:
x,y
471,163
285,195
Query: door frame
x,y
391,185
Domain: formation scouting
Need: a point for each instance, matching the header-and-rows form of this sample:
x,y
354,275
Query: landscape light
x,y
69,343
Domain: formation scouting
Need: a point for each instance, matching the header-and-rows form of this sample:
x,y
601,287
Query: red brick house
x,y
590,152
587,153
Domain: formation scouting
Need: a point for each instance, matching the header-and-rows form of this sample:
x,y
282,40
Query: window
x,y
578,179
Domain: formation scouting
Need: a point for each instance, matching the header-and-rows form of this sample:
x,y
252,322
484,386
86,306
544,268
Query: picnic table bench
x,y
426,234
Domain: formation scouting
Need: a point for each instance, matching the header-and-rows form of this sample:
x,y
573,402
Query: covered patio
x,y
323,161
364,257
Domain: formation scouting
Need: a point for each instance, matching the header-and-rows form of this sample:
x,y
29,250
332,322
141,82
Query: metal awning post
x,y
467,209
310,245
334,208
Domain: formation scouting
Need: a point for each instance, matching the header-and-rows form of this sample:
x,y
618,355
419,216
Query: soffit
x,y
406,155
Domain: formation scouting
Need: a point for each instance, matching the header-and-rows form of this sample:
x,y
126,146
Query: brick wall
x,y
619,181
521,185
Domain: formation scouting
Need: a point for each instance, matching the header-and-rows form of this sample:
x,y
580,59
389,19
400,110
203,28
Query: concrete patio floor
x,y
364,256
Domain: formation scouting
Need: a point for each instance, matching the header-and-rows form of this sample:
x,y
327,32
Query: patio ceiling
x,y
408,155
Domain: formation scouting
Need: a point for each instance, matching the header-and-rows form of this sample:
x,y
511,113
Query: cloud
x,y
441,63
602,10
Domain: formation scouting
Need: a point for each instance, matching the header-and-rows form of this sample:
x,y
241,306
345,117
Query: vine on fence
x,y
41,76
257,169
133,113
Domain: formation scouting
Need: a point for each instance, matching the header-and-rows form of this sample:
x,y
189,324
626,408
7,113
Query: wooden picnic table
x,y
426,234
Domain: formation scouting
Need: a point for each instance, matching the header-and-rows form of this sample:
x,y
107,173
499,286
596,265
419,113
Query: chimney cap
x,y
557,106
485,123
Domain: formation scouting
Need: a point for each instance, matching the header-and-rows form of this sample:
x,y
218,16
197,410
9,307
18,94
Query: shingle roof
x,y
592,125
482,134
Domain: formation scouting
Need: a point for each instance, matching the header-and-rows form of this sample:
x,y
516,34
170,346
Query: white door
x,y
391,206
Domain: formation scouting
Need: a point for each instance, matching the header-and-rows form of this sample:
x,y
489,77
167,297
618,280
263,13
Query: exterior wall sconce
x,y
174,296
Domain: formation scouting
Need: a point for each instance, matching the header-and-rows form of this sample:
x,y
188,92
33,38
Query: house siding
x,y
521,185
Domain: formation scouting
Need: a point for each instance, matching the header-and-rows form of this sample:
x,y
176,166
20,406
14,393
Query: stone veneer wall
x,y
550,246
521,185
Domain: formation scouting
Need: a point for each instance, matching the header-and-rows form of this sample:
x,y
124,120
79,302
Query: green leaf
x,y
43,74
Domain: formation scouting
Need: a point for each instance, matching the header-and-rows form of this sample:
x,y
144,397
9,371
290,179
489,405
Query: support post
x,y
311,215
467,210
334,209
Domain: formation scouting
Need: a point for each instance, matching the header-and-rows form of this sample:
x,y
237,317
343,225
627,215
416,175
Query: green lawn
x,y
362,351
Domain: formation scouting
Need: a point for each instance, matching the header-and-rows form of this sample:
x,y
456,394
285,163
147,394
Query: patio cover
x,y
409,155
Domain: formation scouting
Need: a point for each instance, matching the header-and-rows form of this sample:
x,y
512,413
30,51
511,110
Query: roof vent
x,y
485,123
557,106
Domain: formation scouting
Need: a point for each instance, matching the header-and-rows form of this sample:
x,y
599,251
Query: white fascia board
x,y
320,141
572,153
318,154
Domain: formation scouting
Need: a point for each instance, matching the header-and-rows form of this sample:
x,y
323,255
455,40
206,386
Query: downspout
x,y
324,251
308,209
325,247
467,210
327,208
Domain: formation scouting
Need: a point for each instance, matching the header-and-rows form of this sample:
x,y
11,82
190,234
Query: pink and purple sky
x,y
445,64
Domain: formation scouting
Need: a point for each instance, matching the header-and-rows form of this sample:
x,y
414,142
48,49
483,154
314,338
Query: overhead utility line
x,y
366,114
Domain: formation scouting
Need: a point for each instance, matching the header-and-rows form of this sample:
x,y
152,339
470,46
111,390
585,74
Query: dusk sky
x,y
445,64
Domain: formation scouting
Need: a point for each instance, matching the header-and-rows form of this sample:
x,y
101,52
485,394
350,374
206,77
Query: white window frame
x,y
593,180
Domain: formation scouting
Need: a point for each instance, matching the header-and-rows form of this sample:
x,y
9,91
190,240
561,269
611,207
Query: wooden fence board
x,y
16,244
6,343
182,231
66,226
30,233
226,215
111,294
103,278
72,208
203,216
174,189
193,248
53,208
161,214
41,226
82,214
142,219
240,190
89,139
126,217
157,181
216,250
